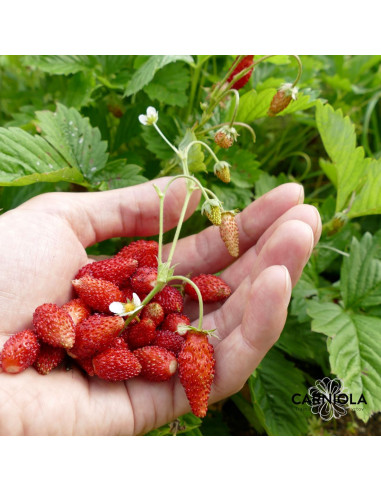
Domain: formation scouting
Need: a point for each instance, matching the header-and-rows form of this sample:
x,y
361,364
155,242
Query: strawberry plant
x,y
232,128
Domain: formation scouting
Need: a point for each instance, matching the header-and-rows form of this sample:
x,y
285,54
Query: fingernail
x,y
312,244
288,286
301,195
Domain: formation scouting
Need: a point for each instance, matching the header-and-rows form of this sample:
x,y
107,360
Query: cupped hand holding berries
x,y
43,247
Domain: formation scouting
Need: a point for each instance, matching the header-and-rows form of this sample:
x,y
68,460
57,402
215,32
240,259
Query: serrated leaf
x,y
70,133
119,174
254,105
354,351
271,386
368,201
329,170
195,154
60,64
303,102
360,280
147,71
169,85
26,159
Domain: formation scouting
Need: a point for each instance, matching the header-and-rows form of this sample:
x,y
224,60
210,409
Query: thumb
x,y
132,211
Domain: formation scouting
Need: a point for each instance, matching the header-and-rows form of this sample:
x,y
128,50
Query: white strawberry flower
x,y
126,308
150,118
289,90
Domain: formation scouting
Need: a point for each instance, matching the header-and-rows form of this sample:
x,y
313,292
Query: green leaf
x,y
72,135
330,170
360,281
79,88
354,351
187,424
272,385
303,102
339,139
368,201
26,159
169,85
119,174
153,140
195,154
60,64
147,71
254,105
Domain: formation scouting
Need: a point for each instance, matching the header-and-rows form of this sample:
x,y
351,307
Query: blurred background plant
x,y
70,123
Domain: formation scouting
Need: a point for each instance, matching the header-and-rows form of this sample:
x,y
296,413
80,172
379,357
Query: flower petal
x,y
143,119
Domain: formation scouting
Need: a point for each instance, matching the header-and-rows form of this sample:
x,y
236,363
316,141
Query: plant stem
x,y
179,225
200,303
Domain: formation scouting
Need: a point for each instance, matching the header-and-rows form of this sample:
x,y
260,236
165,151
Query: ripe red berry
x,y
54,326
94,334
140,334
143,280
48,358
77,310
246,62
170,299
140,249
86,365
19,352
212,288
169,340
154,311
97,293
115,270
116,364
173,320
196,370
158,364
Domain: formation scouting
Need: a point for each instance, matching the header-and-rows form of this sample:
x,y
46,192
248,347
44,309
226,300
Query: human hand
x,y
42,248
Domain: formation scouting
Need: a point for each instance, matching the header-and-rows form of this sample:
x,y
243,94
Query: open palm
x,y
42,247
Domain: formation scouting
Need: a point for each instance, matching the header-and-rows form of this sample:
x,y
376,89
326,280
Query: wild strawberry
x,y
282,99
19,352
212,288
144,280
222,171
86,365
116,364
149,260
212,209
173,320
158,364
229,233
54,326
97,293
225,137
127,293
77,310
48,358
168,340
95,334
170,300
115,270
154,311
196,370
139,249
140,334
246,62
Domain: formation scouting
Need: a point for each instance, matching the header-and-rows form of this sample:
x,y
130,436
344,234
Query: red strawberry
x,y
140,249
212,288
229,233
154,311
158,364
246,62
149,260
54,326
196,371
170,299
115,270
95,334
144,280
97,293
116,364
19,352
174,320
127,294
48,358
169,340
77,310
87,365
140,334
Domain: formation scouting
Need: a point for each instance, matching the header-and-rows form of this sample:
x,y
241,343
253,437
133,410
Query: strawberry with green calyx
x,y
225,136
212,209
285,94
222,171
229,232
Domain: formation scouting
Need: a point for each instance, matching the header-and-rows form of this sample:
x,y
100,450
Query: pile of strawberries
x,y
154,345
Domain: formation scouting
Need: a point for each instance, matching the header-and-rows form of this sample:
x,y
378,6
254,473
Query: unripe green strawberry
x,y
229,233
212,209
222,171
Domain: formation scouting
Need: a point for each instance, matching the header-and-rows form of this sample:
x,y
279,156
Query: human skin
x,y
43,246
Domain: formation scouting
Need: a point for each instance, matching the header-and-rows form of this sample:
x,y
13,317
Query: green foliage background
x,y
70,123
